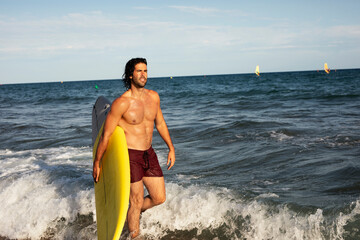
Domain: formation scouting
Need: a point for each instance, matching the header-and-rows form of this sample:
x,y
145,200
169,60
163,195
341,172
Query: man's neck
x,y
137,92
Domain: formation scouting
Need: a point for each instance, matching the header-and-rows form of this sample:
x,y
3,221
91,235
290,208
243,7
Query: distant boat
x,y
327,70
257,71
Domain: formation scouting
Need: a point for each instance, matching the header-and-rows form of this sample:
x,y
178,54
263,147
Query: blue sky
x,y
48,40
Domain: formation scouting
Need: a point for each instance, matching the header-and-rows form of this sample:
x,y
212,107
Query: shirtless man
x,y
136,111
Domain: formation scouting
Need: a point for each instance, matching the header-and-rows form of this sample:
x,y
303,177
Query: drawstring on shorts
x,y
146,159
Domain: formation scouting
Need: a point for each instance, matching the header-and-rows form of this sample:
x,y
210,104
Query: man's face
x,y
139,76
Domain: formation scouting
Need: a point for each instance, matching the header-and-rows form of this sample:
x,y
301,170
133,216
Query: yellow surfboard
x,y
113,188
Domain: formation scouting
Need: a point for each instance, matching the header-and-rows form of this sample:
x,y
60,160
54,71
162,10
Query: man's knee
x,y
159,199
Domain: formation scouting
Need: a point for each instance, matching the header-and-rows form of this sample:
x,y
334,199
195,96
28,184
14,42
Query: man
x,y
136,111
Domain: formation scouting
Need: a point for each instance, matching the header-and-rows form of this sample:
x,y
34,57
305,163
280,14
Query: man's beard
x,y
139,84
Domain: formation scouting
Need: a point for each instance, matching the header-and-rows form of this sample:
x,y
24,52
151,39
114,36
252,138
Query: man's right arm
x,y
118,108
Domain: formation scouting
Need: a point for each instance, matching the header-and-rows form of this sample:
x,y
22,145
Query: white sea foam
x,y
338,141
280,136
268,195
279,223
343,219
186,178
32,202
186,209
204,208
286,224
29,160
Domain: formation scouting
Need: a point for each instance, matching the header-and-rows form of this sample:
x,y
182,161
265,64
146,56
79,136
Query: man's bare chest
x,y
140,112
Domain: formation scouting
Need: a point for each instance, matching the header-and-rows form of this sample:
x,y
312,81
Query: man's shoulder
x,y
153,94
126,94
122,100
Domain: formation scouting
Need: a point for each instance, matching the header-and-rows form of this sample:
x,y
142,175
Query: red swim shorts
x,y
144,164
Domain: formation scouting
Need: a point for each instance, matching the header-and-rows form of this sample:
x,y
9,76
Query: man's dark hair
x,y
129,69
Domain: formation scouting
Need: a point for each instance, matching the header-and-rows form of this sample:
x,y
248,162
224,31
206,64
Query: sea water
x,y
269,157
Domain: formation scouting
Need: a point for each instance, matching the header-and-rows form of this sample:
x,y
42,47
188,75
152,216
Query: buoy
x,y
96,86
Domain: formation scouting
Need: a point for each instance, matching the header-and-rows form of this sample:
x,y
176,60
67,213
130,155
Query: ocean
x,y
269,157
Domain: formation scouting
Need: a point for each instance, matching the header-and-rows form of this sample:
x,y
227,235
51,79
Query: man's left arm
x,y
164,133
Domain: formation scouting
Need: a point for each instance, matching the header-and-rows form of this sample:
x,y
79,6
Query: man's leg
x,y
156,189
136,203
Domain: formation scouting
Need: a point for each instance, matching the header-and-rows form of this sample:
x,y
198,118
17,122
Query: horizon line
x,y
178,76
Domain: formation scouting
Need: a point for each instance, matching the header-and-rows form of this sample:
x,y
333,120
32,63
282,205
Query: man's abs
x,y
138,137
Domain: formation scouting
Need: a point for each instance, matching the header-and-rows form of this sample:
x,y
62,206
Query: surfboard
x,y
113,188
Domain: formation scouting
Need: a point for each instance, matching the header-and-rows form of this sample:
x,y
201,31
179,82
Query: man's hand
x,y
96,171
171,159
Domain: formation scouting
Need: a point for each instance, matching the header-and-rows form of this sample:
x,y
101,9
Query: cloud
x,y
94,32
352,31
203,11
75,31
196,10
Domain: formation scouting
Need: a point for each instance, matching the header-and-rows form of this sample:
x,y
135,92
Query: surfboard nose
x,y
99,113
